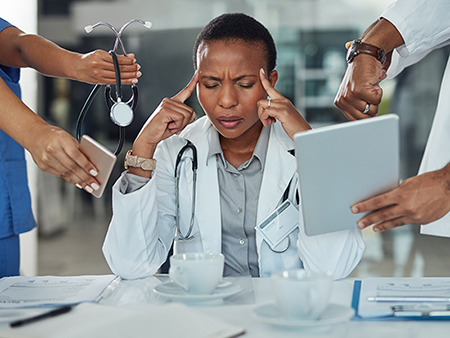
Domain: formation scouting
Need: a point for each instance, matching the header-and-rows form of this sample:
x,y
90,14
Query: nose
x,y
227,97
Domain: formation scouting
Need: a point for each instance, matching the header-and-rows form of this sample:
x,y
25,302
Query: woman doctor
x,y
245,167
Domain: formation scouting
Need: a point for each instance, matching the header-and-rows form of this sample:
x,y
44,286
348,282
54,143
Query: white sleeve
x,y
424,27
338,252
141,230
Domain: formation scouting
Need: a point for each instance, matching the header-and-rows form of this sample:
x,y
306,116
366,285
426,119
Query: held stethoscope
x,y
121,113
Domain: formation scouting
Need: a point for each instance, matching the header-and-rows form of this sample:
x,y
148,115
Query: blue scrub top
x,y
15,202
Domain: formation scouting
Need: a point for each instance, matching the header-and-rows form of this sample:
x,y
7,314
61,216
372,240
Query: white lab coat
x,y
425,26
143,223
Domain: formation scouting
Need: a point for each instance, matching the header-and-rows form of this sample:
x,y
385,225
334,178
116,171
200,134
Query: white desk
x,y
237,310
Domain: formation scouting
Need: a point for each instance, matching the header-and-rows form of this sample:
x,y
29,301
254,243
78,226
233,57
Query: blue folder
x,y
355,305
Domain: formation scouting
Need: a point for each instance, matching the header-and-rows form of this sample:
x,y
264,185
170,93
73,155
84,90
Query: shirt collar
x,y
259,152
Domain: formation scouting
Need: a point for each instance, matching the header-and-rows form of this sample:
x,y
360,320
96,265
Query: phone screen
x,y
102,158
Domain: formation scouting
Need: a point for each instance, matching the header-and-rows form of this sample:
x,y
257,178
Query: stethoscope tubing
x,y
179,161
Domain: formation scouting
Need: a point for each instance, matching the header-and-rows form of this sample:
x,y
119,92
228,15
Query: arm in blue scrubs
x,y
15,202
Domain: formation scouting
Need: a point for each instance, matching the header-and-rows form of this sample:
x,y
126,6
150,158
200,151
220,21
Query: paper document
x,y
379,295
20,292
94,320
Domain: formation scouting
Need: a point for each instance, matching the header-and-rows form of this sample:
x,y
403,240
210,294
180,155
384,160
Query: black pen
x,y
52,313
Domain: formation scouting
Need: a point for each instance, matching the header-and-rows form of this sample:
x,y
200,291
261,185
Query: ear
x,y
273,78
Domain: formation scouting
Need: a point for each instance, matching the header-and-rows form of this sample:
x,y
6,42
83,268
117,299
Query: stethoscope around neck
x,y
178,164
194,161
121,112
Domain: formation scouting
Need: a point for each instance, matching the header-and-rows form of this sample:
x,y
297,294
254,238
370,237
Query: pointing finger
x,y
268,86
187,91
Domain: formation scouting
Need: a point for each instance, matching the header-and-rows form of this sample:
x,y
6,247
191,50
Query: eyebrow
x,y
210,77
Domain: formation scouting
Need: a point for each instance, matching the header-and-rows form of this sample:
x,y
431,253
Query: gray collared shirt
x,y
239,195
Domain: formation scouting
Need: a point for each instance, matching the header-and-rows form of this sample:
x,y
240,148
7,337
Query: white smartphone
x,y
102,158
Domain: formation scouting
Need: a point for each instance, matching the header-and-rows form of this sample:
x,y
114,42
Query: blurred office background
x,y
310,37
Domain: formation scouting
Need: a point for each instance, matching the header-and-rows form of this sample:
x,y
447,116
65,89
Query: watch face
x,y
351,52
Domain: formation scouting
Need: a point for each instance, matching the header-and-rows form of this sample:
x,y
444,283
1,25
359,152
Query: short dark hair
x,y
238,26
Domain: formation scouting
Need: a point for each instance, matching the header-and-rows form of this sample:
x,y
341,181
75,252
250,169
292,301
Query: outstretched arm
x,y
29,50
53,150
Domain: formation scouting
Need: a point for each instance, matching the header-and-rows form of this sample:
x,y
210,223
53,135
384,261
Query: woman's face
x,y
229,86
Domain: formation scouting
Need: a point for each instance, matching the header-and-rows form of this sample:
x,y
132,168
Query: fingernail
x,y
376,230
138,74
95,186
93,172
78,186
139,67
262,70
89,189
355,210
361,225
134,81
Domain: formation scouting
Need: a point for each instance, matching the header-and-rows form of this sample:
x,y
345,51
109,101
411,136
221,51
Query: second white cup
x,y
301,295
197,273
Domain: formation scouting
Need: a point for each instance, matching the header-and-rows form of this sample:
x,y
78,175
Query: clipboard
x,y
411,311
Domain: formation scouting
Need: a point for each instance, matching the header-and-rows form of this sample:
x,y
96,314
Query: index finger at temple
x,y
272,92
187,91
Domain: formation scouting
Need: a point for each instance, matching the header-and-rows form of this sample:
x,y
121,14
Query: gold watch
x,y
139,162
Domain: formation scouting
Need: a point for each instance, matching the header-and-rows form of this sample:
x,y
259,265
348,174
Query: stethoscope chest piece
x,y
121,114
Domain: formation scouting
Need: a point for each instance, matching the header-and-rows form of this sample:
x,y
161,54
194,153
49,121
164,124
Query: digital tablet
x,y
102,158
342,164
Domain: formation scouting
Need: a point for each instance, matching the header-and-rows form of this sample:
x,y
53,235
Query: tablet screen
x,y
342,164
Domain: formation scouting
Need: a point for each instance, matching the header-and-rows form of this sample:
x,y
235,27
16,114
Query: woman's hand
x,y
170,117
97,67
281,109
58,153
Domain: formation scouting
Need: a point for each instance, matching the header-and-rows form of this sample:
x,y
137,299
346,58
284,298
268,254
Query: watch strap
x,y
139,162
358,47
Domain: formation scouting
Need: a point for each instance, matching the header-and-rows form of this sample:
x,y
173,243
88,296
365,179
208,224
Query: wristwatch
x,y
357,47
139,162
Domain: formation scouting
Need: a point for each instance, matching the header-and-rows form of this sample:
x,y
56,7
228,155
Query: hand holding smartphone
x,y
102,158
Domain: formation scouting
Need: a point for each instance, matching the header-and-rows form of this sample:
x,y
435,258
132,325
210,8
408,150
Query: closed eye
x,y
210,85
245,85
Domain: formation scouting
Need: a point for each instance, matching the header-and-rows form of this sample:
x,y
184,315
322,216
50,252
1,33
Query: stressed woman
x,y
245,169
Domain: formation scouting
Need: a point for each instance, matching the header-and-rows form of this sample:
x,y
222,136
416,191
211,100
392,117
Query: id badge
x,y
279,224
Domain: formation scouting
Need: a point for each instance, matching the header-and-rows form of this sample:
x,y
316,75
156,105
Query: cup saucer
x,y
334,314
174,292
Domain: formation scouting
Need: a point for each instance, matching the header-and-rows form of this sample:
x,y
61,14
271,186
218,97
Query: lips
x,y
230,121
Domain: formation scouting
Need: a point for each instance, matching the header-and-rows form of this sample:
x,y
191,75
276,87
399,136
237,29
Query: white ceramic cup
x,y
197,273
301,295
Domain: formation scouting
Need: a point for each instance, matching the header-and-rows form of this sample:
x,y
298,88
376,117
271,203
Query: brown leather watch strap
x,y
357,47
